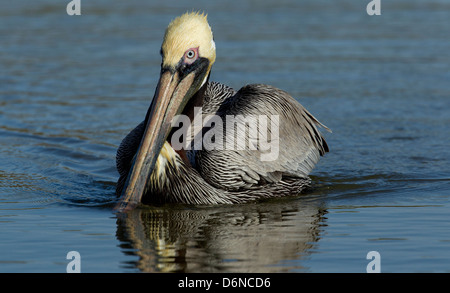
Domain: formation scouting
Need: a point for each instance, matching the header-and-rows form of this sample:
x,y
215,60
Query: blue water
x,y
71,87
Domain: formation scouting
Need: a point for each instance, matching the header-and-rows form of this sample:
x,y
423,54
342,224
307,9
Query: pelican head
x,y
188,41
188,52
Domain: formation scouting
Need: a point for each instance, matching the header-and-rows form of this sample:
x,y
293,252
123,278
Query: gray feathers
x,y
234,176
300,143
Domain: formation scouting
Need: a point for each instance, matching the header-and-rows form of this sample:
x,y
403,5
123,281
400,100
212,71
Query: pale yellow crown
x,y
190,30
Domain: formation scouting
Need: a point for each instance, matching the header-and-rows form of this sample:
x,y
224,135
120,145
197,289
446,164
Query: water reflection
x,y
263,237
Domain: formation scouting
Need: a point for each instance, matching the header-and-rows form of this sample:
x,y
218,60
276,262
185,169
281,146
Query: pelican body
x,y
152,170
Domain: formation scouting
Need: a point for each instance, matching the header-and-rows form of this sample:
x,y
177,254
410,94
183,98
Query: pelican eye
x,y
190,56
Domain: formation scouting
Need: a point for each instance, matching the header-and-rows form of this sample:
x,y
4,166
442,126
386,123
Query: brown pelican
x,y
153,171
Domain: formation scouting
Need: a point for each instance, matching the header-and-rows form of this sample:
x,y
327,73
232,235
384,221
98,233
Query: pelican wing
x,y
126,152
287,144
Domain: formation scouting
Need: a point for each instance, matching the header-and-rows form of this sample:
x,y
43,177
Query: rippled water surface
x,y
71,87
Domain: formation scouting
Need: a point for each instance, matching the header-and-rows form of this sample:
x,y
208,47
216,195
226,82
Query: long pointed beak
x,y
169,100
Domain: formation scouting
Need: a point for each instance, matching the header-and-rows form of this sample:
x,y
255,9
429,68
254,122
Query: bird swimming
x,y
153,170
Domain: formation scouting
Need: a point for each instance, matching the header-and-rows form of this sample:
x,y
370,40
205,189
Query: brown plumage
x,y
151,171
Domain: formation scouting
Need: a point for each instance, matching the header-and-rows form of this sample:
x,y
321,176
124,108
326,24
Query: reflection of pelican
x,y
152,170
268,237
